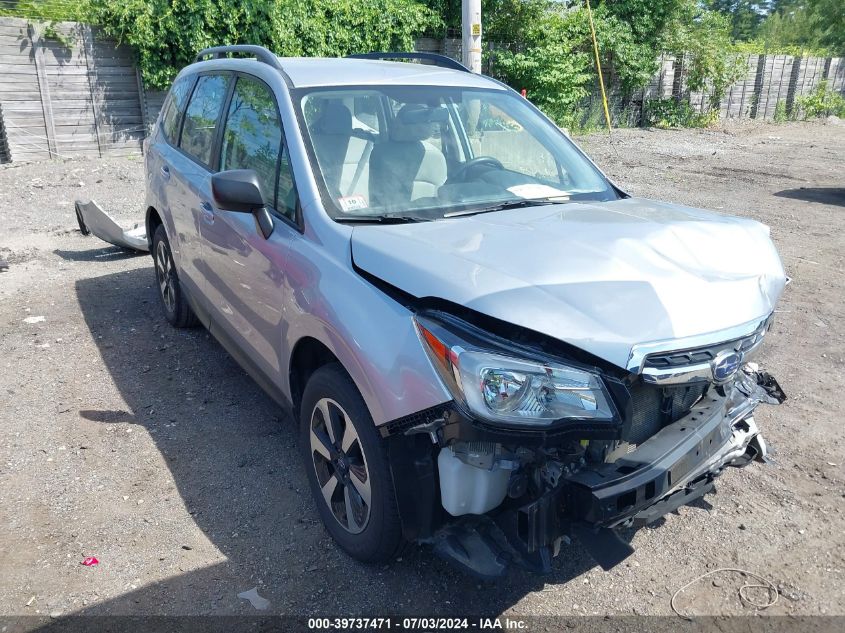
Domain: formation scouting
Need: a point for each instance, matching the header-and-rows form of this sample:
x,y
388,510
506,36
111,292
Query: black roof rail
x,y
259,52
434,58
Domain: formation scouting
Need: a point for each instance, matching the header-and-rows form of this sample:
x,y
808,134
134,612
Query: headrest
x,y
334,119
414,122
412,113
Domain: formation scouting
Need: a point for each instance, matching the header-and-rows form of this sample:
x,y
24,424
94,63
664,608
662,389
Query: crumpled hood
x,y
601,276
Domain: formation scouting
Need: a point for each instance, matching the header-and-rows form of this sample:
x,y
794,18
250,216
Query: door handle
x,y
207,212
165,172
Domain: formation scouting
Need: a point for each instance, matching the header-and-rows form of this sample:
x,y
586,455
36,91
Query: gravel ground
x,y
148,447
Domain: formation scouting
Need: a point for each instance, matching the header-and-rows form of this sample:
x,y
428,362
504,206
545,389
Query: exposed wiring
x,y
765,583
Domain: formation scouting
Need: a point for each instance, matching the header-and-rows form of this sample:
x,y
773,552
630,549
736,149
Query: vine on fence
x,y
167,35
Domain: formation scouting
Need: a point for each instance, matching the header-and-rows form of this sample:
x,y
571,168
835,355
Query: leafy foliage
x,y
781,114
648,20
744,16
822,101
554,60
673,113
504,20
759,46
703,38
46,10
168,33
811,25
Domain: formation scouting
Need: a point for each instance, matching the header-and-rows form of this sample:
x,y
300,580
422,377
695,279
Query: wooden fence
x,y
81,95
75,96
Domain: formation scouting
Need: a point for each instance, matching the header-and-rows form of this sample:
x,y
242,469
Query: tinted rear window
x,y
175,107
200,127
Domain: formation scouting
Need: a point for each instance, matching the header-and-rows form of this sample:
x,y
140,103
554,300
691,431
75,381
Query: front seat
x,y
342,152
406,167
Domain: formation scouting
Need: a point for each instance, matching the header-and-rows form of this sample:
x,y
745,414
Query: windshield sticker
x,y
353,203
536,190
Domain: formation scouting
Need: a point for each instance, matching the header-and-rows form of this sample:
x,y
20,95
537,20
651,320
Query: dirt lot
x,y
148,448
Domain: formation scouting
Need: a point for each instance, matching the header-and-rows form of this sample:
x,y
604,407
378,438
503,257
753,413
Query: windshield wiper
x,y
380,219
510,204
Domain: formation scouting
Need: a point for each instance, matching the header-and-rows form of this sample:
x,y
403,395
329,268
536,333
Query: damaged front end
x,y
534,450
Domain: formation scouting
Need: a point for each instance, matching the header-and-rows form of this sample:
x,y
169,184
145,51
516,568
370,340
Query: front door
x,y
244,271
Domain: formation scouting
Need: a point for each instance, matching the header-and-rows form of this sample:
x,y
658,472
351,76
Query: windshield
x,y
410,153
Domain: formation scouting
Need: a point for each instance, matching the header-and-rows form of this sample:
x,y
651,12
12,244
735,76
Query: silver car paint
x,y
306,285
601,276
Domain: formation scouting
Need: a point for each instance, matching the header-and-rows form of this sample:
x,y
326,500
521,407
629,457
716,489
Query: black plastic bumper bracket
x,y
605,546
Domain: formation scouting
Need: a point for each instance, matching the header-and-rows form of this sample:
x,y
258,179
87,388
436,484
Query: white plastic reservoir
x,y
465,489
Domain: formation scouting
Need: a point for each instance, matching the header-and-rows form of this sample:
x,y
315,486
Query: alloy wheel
x,y
164,275
340,465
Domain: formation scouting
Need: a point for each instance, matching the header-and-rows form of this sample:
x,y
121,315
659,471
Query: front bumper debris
x,y
674,467
92,219
698,445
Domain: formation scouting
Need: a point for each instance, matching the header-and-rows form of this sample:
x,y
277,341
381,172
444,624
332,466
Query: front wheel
x,y
347,469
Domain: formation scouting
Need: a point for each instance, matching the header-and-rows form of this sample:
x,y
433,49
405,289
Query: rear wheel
x,y
347,469
173,301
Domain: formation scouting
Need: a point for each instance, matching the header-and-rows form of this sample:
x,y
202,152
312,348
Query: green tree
x,y
648,20
554,63
745,16
817,25
703,38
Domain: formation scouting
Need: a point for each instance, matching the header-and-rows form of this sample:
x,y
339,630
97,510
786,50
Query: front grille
x,y
654,407
704,354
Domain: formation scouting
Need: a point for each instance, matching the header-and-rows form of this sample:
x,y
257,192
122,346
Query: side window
x,y
253,134
200,125
175,106
286,192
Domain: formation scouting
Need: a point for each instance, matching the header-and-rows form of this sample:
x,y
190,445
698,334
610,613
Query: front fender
x,y
372,335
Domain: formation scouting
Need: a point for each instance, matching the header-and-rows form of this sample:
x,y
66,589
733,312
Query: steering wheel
x,y
473,164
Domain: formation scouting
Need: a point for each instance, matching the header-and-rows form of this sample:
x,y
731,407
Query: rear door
x,y
245,272
163,150
190,174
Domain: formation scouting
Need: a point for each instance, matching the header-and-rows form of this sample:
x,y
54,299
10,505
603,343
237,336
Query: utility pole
x,y
471,24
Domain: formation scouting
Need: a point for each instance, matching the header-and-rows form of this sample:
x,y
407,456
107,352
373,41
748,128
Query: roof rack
x,y
434,58
259,52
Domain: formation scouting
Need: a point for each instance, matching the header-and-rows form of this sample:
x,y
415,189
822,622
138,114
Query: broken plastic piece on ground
x,y
4,265
34,319
92,219
257,601
90,562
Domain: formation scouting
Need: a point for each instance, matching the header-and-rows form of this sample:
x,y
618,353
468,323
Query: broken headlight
x,y
521,392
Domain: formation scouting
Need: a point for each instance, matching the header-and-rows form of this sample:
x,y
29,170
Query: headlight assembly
x,y
497,387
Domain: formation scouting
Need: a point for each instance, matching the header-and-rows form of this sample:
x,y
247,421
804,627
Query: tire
x,y
174,304
374,536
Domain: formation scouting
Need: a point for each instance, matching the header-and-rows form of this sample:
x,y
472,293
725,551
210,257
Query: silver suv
x,y
488,346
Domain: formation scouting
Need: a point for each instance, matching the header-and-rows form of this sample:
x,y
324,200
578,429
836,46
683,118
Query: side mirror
x,y
239,190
